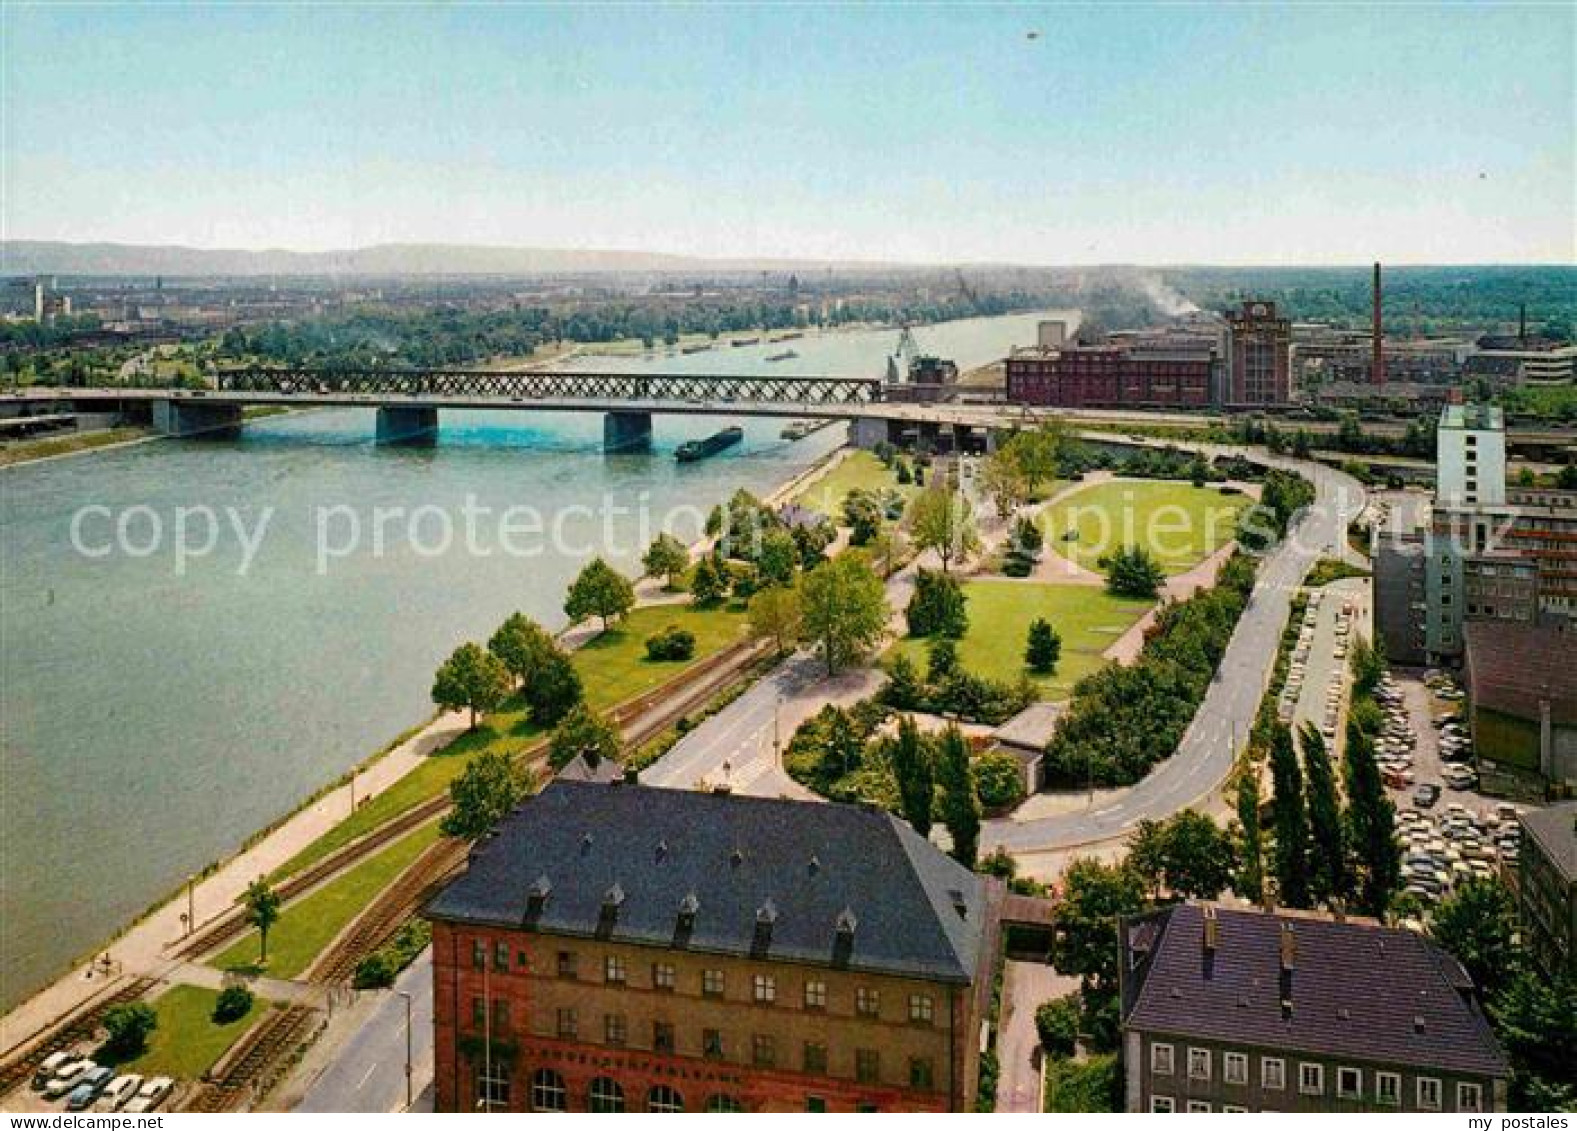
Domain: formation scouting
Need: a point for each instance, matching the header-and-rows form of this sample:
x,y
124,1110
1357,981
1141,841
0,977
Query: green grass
x,y
1179,524
21,451
1088,619
187,1042
856,471
613,668
309,924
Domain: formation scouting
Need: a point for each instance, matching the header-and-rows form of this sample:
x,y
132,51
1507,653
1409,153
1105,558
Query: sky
x,y
1035,134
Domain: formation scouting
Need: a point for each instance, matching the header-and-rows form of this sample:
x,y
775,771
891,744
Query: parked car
x,y
50,1065
1426,795
67,1077
89,1088
152,1093
121,1089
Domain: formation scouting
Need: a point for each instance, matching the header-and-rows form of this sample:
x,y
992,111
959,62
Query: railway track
x,y
76,1030
258,1062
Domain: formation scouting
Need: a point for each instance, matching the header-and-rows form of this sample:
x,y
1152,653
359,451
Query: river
x,y
156,711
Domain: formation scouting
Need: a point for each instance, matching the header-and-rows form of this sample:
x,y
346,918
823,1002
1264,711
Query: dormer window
x,y
766,914
612,900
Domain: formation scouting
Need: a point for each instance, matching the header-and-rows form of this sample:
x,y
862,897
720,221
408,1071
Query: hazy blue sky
x,y
1121,133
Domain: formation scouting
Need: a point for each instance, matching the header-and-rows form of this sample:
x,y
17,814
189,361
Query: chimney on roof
x,y
1377,370
1289,949
1212,935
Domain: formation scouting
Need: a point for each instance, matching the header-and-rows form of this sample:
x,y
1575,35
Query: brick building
x,y
1259,365
1547,887
1111,376
621,948
1232,1010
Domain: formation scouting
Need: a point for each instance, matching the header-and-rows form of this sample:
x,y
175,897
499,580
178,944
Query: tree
x,y
599,591
490,786
903,691
1044,648
778,559
911,759
1085,938
885,550
937,606
775,615
262,911
1035,454
553,689
667,558
1477,925
583,734
1536,1018
845,609
862,514
999,781
473,679
941,661
1003,482
1187,855
1328,876
960,804
129,1026
521,644
1250,880
710,583
1057,1024
233,1003
1290,820
1132,572
940,521
1371,821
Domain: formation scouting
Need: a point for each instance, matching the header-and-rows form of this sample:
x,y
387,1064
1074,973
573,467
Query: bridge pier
x,y
193,418
408,425
868,431
627,432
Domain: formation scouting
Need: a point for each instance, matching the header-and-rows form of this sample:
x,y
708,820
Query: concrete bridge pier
x,y
408,425
627,432
867,431
192,418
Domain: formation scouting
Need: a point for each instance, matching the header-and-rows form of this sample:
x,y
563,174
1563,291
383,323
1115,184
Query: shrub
x,y
129,1025
1057,1023
1044,647
233,1004
1134,573
999,781
671,643
383,965
1015,565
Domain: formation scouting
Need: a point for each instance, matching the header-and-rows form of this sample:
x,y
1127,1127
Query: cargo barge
x,y
692,450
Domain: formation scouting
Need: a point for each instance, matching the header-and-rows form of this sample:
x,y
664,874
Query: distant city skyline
x,y
1138,133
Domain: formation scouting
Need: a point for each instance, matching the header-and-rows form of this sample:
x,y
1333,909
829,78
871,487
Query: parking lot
x,y
71,1081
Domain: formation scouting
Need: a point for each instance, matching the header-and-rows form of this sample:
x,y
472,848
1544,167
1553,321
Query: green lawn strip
x,y
310,923
1087,617
613,668
1179,524
855,471
187,1042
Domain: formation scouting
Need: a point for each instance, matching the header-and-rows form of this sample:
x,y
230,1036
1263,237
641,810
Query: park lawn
x,y
1180,524
1088,619
859,470
310,923
187,1042
613,667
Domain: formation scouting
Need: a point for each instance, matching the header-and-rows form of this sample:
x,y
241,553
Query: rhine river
x,y
155,713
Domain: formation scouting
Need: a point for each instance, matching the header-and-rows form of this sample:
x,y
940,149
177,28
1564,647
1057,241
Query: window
x,y
662,1036
478,954
712,983
492,1083
500,1013
548,1092
920,1072
721,1103
815,1103
613,969
1388,1088
1198,1105
1162,1103
1470,1097
712,1044
815,995
921,1008
1349,1083
478,1013
1311,1079
1198,1064
613,1030
1428,1093
867,1066
763,1050
815,1057
1230,1109
567,965
1234,1068
501,957
662,975
568,1025
867,1002
664,1098
765,989
606,1095
866,1107
1161,1060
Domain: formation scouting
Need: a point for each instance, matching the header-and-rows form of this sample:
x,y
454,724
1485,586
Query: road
x,y
368,1070
1209,746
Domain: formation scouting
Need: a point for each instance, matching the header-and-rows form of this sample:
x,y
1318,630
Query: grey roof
x,y
1555,828
1032,727
1358,990
606,770
765,878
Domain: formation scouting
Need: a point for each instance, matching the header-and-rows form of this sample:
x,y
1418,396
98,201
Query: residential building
x,y
1547,887
617,947
1522,698
1401,604
1233,1010
1258,352
1470,456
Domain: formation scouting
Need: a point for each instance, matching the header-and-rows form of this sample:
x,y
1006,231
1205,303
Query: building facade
x,y
1112,376
1547,887
620,948
1258,356
1231,1010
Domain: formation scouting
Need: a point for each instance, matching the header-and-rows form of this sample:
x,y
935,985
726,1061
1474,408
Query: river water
x,y
155,711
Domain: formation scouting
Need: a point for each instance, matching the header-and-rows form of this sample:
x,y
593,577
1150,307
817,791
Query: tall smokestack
x,y
1377,365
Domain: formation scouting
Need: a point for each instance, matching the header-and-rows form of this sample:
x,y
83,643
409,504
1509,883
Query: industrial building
x,y
1258,356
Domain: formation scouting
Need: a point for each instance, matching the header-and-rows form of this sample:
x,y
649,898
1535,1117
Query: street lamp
x,y
407,997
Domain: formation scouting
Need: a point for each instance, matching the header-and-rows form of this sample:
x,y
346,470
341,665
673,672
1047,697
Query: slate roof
x,y
1555,828
606,770
1358,990
1032,727
762,877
